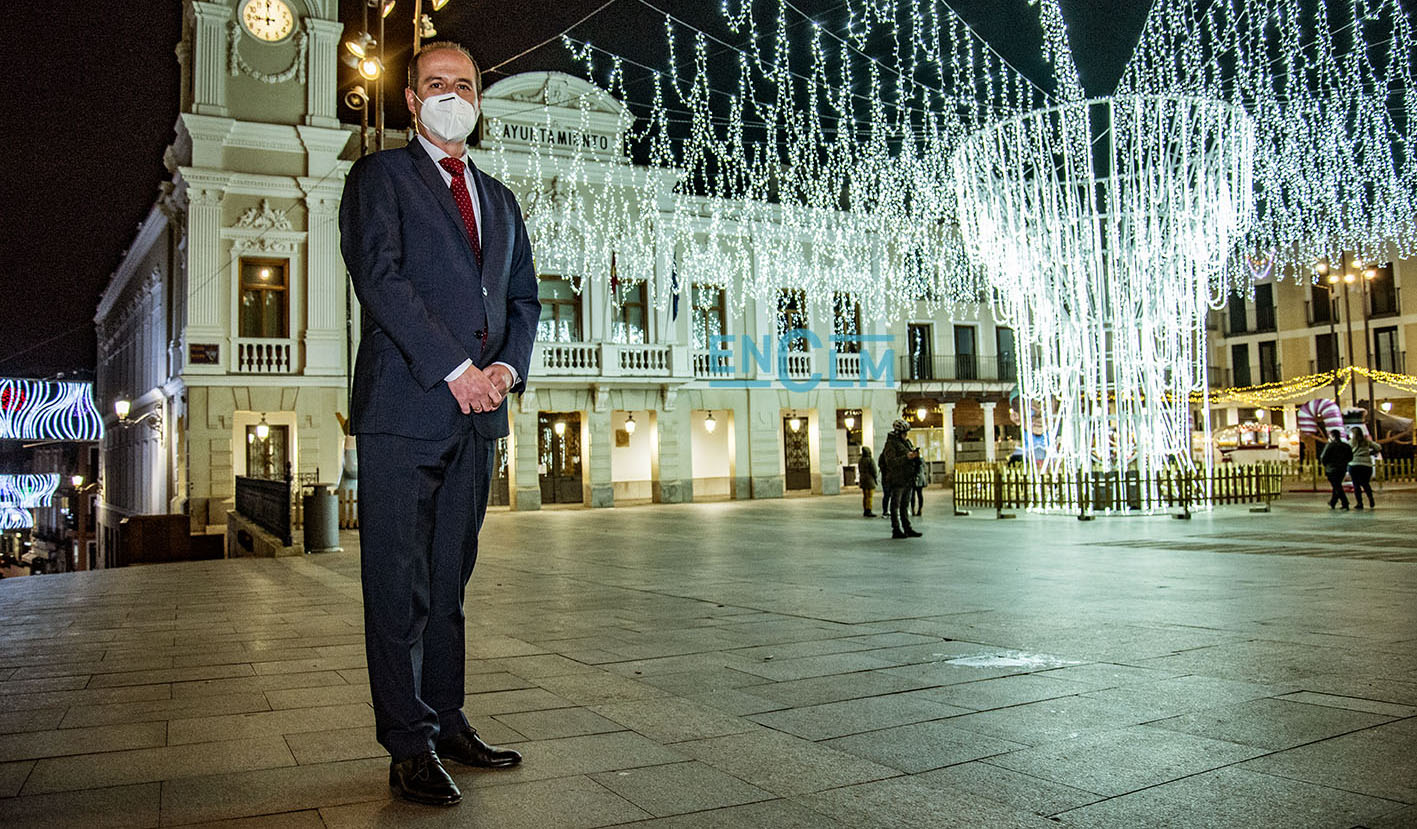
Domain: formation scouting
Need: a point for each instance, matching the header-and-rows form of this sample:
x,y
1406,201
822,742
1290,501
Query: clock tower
x,y
246,310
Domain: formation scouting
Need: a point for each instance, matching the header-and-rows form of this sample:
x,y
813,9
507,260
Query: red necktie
x,y
455,166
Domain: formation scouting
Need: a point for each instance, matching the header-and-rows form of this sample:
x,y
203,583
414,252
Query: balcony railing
x,y
796,365
1269,373
262,356
959,367
708,365
848,365
1385,306
1265,318
1394,361
550,359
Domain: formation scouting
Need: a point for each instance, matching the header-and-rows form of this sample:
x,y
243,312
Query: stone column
x,y
525,466
322,47
990,450
763,424
324,279
207,280
672,480
597,438
827,462
210,57
947,420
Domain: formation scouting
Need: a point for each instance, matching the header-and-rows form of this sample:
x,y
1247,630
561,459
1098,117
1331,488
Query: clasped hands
x,y
481,390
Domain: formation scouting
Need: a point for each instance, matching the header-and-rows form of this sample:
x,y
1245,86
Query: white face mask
x,y
449,117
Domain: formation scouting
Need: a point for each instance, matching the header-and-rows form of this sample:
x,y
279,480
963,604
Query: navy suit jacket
x,y
425,299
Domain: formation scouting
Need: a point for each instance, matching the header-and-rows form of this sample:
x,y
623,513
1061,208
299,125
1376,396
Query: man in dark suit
x,y
442,266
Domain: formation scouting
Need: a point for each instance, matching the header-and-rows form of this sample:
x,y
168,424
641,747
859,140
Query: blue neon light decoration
x,y
21,493
48,410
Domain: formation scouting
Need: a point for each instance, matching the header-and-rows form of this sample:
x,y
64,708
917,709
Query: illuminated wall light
x,y
559,427
849,421
629,424
709,423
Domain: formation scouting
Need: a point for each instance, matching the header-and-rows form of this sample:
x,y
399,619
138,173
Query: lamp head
x,y
1333,279
629,424
76,480
850,422
921,413
370,68
559,428
1321,268
1348,277
263,429
1370,273
709,423
386,8
122,408
795,423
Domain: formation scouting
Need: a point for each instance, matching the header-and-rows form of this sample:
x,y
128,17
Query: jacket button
x,y
484,290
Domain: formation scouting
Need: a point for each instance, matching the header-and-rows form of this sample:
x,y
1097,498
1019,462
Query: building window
x,y
1386,355
1382,293
1240,364
792,316
918,339
1264,307
1321,306
1239,323
846,323
966,353
630,323
1008,354
709,314
1326,352
560,311
1269,362
265,299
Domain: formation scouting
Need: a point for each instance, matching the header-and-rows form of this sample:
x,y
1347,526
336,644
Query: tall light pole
x,y
1323,270
1369,274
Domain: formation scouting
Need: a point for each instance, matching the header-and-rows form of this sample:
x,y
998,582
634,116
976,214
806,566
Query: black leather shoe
x,y
898,534
469,749
912,534
422,779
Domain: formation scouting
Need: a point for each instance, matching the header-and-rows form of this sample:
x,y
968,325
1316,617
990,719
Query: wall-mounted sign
x,y
48,410
552,136
203,354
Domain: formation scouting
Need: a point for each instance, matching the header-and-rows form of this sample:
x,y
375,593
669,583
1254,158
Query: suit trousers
x,y
421,505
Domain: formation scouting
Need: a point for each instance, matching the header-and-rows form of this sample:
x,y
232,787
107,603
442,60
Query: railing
x,y
708,365
267,504
1394,361
848,365
1317,317
1086,493
959,367
1269,373
568,358
1388,309
260,356
642,360
1265,318
796,365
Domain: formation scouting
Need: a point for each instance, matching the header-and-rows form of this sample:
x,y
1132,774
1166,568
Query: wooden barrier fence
x,y
1088,493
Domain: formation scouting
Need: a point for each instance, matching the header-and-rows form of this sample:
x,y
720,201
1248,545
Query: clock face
x,y
269,20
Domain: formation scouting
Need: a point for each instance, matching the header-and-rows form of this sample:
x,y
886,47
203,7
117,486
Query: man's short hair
x,y
439,45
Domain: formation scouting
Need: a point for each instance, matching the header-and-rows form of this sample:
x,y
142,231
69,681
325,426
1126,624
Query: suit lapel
x,y
495,244
440,193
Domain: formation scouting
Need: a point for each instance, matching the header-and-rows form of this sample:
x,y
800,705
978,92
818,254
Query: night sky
x,y
95,100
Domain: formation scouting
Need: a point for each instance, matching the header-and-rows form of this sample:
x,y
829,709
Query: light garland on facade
x,y
898,159
1275,395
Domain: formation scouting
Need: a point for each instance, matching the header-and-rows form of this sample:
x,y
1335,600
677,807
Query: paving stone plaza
x,y
758,664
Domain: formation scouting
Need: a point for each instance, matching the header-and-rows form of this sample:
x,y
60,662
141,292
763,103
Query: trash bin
x,y
321,520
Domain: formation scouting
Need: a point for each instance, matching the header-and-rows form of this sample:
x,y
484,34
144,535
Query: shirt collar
x,y
436,153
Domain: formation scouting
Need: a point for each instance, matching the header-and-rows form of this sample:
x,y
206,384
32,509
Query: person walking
x,y
898,478
440,260
922,480
867,478
1360,468
1335,457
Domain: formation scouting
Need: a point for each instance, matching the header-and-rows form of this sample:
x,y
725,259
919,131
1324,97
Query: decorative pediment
x,y
264,218
556,89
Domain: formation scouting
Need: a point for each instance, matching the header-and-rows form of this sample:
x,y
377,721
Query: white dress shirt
x,y
436,153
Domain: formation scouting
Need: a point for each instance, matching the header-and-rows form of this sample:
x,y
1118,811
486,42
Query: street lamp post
x,y
1323,270
1369,274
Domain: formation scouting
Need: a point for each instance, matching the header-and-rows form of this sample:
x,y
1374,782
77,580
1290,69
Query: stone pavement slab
x,y
756,664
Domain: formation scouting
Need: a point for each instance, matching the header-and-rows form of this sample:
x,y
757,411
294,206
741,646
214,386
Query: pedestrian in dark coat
x,y
866,477
1360,468
1335,458
898,476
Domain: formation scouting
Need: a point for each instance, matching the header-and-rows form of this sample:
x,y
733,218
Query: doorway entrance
x,y
559,453
797,454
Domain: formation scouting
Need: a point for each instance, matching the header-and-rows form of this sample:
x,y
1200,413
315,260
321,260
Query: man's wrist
x,y
458,372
